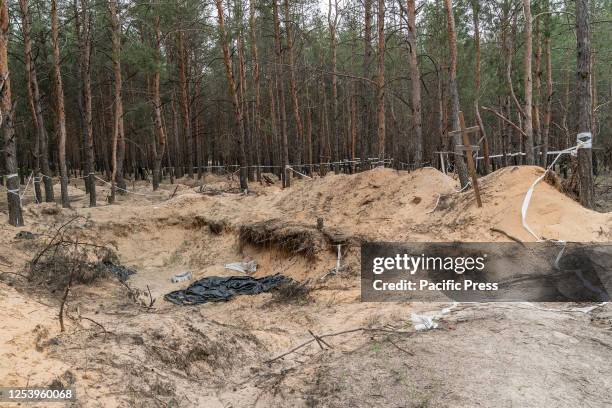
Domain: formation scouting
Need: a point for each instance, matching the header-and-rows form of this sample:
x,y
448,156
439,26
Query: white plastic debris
x,y
181,277
423,322
449,309
244,267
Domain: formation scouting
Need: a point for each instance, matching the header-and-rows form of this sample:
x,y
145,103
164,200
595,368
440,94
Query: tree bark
x,y
61,114
333,24
380,96
583,94
178,152
452,84
527,78
548,106
83,21
231,82
415,83
476,17
365,140
6,123
281,98
42,151
118,132
299,128
537,127
256,88
184,101
157,109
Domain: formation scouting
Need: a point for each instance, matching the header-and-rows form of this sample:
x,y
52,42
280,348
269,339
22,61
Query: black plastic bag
x,y
216,288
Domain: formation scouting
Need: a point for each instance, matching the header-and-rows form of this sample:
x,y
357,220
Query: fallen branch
x,y
151,300
400,348
61,311
13,273
97,324
365,329
174,193
515,239
508,121
51,243
319,340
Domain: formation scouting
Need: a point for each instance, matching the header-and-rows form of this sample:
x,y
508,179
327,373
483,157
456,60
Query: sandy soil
x,y
214,355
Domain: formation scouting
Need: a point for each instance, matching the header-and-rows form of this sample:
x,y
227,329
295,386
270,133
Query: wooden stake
x,y
470,159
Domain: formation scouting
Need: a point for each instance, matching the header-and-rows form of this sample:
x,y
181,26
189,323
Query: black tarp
x,y
215,288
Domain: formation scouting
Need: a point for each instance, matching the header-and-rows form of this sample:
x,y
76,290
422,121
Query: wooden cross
x,y
468,148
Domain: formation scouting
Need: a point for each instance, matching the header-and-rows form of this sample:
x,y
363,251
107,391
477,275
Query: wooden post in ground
x,y
468,149
470,160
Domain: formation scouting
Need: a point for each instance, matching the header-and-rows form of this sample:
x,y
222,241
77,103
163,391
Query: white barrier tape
x,y
9,176
469,183
122,189
26,187
529,194
301,174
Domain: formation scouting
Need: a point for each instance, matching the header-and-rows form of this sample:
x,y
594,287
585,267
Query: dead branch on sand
x,y
515,239
319,338
76,265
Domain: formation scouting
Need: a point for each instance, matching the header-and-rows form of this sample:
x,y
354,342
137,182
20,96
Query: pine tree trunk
x,y
299,127
365,140
537,128
61,114
476,14
118,145
178,151
231,82
332,24
256,87
415,83
185,117
157,108
548,106
6,123
381,80
527,78
281,98
452,84
583,94
33,101
83,23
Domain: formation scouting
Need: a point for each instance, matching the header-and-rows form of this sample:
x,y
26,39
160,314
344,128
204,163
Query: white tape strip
x,y
529,194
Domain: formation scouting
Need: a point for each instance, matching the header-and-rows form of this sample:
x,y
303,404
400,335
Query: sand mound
x,y
551,214
384,204
375,196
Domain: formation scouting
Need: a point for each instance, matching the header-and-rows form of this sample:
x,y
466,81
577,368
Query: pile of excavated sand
x,y
425,205
380,193
551,214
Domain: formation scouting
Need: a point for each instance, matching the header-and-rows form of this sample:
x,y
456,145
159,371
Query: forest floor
x,y
119,350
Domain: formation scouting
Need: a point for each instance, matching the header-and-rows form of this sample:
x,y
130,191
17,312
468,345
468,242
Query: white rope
x,y
435,206
295,171
122,189
469,183
529,194
26,187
